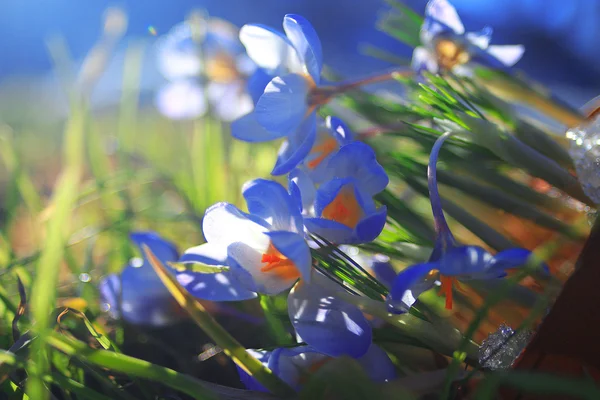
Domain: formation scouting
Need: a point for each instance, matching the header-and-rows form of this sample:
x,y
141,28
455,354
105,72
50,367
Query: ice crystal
x,y
502,347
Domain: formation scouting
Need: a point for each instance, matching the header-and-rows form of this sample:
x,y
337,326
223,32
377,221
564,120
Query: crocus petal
x,y
371,226
480,39
271,202
357,160
257,82
306,42
164,250
331,230
296,148
340,130
268,48
327,323
466,262
292,365
406,280
444,13
513,258
181,100
423,60
248,129
247,260
283,106
295,248
222,286
229,100
224,224
177,53
302,189
509,55
383,270
378,365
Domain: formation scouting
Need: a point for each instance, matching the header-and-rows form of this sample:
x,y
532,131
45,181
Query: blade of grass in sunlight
x,y
44,288
221,337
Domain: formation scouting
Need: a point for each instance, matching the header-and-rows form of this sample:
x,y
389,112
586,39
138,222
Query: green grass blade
x,y
44,288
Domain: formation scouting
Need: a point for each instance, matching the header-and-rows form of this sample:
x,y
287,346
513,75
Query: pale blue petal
x,y
248,129
257,82
465,262
222,286
302,189
162,249
268,48
306,42
284,104
513,258
229,101
181,100
407,279
357,160
340,130
327,323
224,224
384,272
480,39
297,147
378,365
444,13
294,247
246,261
371,226
271,202
423,60
331,230
508,55
138,294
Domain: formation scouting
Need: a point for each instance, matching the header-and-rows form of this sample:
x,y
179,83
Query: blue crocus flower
x,y
295,365
446,46
264,249
287,107
332,133
327,323
451,261
137,295
208,65
344,211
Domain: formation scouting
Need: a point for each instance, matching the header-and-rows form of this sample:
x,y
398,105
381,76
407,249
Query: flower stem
x,y
439,220
323,94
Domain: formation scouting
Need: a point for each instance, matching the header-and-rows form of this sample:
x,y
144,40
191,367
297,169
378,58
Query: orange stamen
x,y
279,264
324,148
447,283
344,208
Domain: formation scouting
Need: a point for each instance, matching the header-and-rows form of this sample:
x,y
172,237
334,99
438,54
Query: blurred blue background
x,y
560,36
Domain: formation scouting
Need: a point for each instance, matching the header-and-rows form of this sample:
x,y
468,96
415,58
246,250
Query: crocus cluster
x,y
331,183
332,180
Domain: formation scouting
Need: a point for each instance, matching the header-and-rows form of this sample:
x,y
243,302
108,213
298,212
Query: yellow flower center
x,y
450,54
